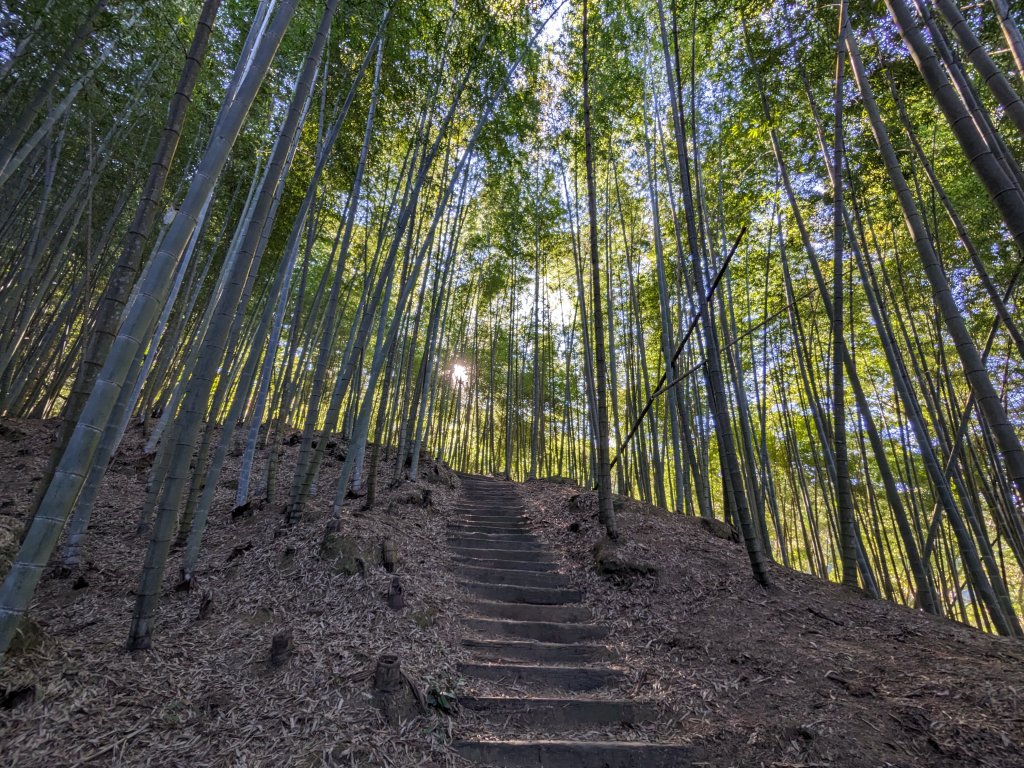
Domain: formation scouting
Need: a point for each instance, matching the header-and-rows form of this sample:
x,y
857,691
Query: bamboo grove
x,y
754,260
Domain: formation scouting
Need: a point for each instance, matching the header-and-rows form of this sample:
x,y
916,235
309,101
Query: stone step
x,y
493,532
511,518
487,528
542,631
498,540
523,612
513,594
563,678
476,542
559,714
503,519
534,652
469,531
488,508
515,578
520,528
489,505
577,754
497,517
489,502
491,553
515,565
487,495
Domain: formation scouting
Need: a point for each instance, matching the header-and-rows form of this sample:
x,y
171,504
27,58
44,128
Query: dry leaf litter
x,y
802,674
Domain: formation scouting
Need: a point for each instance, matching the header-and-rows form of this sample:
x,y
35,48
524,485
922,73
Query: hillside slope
x,y
802,674
206,695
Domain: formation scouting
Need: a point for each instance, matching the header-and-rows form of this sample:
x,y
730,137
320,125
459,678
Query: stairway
x,y
527,630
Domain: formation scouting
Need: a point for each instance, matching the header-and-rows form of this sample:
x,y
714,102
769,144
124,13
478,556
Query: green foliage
x,y
517,231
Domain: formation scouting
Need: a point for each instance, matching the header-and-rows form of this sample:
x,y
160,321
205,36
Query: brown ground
x,y
803,674
206,694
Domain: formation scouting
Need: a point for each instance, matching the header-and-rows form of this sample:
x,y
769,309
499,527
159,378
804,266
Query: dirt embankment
x,y
207,694
801,674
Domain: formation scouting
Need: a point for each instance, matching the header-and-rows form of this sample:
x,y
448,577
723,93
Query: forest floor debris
x,y
208,694
801,674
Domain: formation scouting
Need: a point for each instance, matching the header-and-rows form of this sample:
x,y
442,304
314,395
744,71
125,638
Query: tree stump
x,y
281,648
396,595
389,555
242,510
205,606
387,677
393,694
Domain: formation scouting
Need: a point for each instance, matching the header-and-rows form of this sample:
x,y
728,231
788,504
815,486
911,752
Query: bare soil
x,y
801,674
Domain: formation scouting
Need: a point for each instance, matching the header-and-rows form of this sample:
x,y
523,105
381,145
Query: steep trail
x,y
526,630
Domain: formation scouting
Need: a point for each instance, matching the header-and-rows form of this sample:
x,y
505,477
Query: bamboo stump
x,y
396,595
280,649
389,555
205,606
393,694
